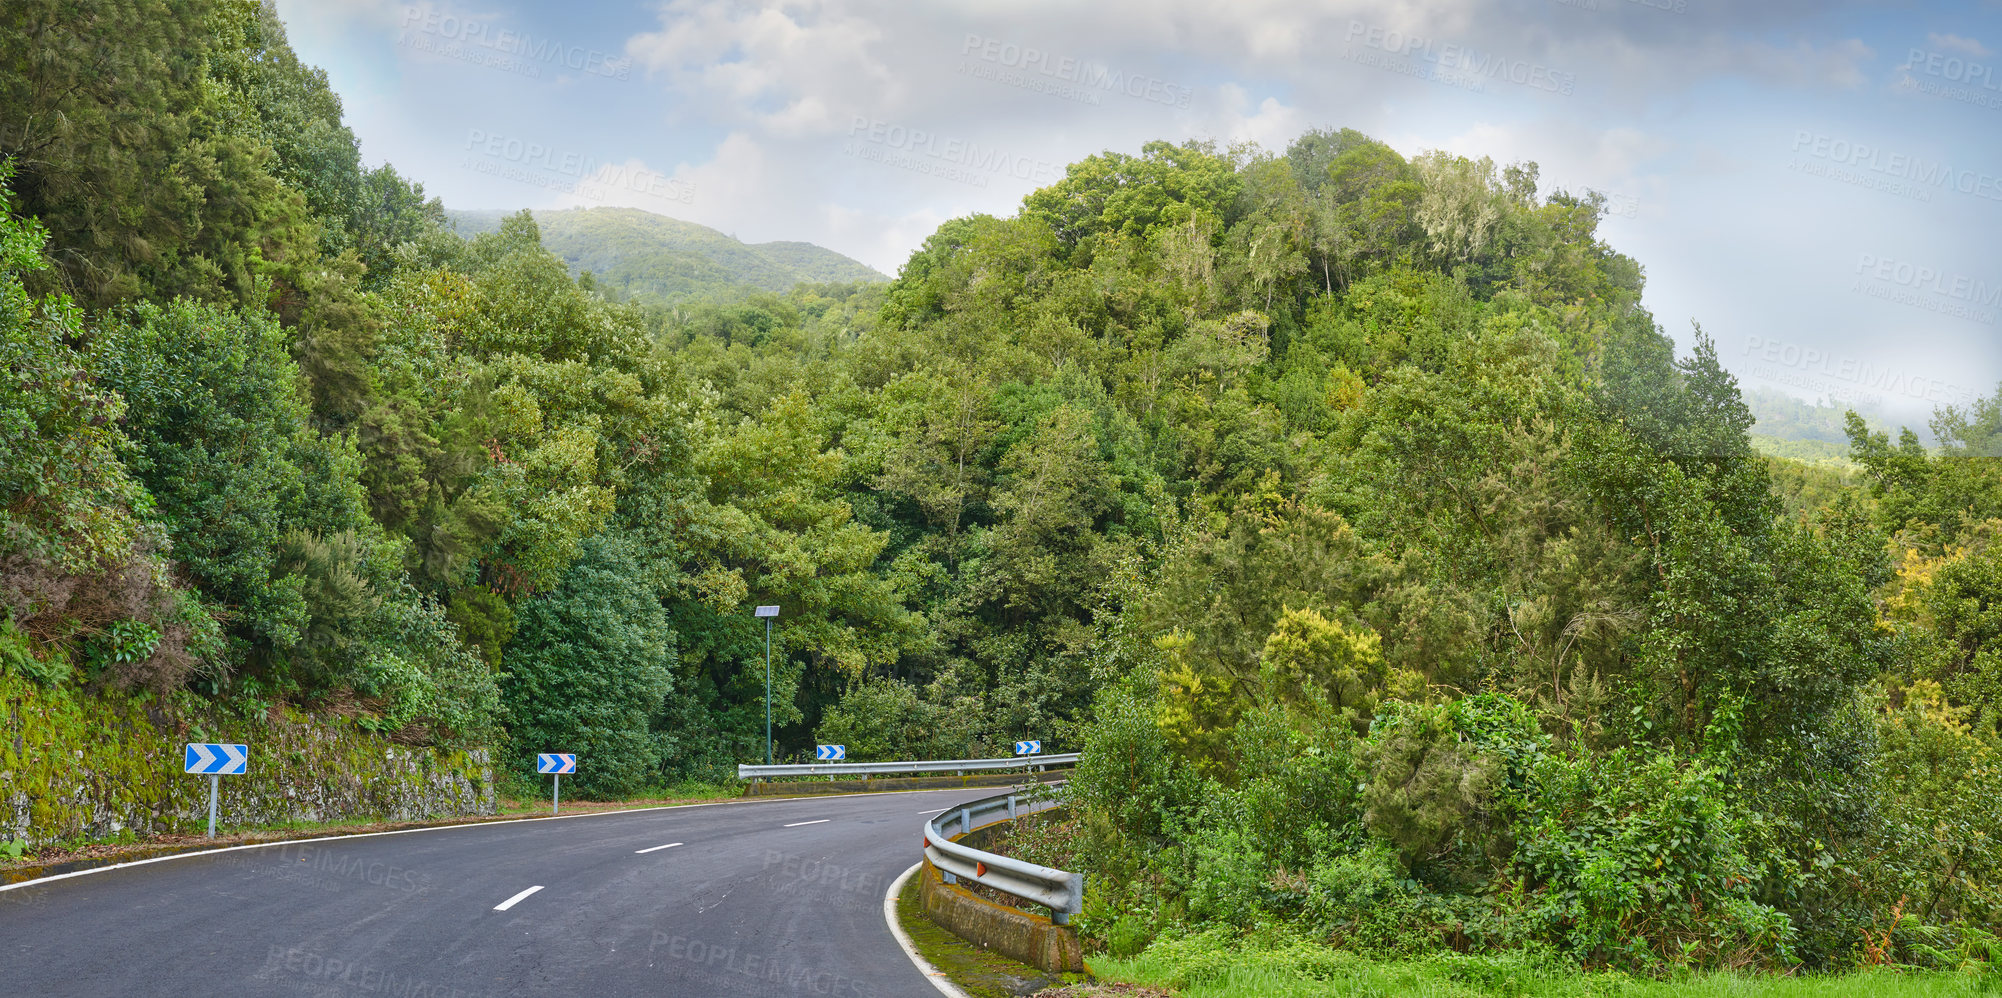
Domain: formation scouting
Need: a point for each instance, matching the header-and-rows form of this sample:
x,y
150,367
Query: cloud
x,y
1804,64
811,60
377,17
881,241
1273,125
714,193
806,116
1955,43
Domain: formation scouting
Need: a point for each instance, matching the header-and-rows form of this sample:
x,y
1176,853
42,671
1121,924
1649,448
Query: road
x,y
742,898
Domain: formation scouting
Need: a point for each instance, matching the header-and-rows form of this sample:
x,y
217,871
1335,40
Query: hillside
x,y
640,254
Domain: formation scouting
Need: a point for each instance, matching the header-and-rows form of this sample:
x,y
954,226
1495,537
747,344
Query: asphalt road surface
x,y
776,898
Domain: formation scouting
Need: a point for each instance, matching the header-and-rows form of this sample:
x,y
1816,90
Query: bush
x,y
1364,900
1938,851
1634,858
1232,878
1427,780
886,720
1297,789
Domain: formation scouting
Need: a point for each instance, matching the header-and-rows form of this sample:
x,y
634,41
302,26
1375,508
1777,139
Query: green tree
x,y
590,665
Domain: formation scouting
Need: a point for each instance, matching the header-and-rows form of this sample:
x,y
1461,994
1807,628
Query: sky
x,y
1817,183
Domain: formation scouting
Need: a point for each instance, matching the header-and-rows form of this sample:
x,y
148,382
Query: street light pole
x,y
768,691
768,612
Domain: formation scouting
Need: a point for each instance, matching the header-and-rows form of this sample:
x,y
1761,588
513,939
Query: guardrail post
x,y
965,820
1011,807
1077,891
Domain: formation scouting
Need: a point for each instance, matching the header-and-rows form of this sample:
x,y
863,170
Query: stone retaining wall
x,y
76,766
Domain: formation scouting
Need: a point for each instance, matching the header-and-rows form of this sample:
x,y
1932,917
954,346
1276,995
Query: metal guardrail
x,y
959,766
1061,890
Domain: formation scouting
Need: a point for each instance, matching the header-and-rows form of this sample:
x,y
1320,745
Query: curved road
x,y
770,898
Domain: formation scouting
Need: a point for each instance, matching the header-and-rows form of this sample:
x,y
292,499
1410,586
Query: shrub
x,y
1364,900
886,719
1939,846
1634,857
1427,779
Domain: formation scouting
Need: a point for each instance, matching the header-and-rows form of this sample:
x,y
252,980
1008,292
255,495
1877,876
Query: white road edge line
x,y
642,852
932,974
38,881
511,902
816,821
935,810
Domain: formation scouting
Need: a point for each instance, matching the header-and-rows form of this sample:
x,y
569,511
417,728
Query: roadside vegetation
x,y
1223,968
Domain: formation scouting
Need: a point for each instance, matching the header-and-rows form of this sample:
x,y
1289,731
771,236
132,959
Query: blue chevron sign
x,y
830,753
1028,748
555,762
210,759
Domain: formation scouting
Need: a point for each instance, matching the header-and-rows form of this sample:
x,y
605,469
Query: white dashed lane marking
x,y
511,902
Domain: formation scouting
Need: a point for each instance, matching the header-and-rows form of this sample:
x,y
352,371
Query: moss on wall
x,y
77,766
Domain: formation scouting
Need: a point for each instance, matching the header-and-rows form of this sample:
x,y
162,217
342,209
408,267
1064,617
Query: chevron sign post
x,y
215,761
555,764
1029,748
830,753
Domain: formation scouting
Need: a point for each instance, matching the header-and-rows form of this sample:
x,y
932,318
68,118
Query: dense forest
x,y
1403,587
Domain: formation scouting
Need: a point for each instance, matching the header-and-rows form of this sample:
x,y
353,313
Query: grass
x,y
1202,967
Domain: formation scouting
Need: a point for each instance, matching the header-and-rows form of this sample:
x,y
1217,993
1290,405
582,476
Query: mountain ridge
x,y
635,253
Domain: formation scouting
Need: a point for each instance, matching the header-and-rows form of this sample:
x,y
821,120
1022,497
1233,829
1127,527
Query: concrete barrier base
x,y
1012,932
